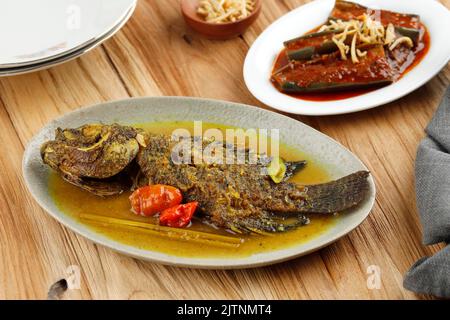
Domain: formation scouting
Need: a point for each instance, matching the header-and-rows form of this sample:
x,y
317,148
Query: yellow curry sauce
x,y
75,201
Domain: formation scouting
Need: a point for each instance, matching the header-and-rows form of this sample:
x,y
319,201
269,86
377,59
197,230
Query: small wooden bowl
x,y
220,31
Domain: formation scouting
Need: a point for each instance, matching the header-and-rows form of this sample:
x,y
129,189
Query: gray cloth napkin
x,y
431,275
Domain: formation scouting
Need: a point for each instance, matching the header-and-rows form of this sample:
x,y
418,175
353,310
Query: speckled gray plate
x,y
330,154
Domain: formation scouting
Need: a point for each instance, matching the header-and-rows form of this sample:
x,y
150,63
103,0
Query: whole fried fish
x,y
238,195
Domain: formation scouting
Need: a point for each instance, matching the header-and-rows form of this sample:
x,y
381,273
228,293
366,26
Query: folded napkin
x,y
431,275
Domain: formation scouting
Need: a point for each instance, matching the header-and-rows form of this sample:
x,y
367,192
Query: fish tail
x,y
337,195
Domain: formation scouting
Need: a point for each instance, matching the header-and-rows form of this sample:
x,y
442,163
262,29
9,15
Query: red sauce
x,y
413,59
332,96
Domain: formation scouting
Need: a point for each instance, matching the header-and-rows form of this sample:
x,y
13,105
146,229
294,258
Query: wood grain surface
x,y
155,55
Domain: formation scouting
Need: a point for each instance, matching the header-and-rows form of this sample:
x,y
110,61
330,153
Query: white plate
x,y
261,56
65,58
35,31
338,161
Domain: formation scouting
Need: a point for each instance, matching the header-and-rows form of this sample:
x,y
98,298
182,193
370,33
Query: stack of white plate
x,y
35,35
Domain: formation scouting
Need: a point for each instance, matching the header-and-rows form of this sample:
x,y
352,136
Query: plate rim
x,y
79,47
70,56
173,260
316,111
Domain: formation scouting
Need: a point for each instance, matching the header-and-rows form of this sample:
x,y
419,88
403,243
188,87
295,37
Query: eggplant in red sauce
x,y
330,73
346,10
327,60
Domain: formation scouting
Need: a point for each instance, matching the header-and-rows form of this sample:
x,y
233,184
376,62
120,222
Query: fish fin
x,y
269,223
100,187
292,167
338,195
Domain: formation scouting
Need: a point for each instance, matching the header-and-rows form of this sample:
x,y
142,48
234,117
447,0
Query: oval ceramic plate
x,y
337,160
261,56
6,72
48,29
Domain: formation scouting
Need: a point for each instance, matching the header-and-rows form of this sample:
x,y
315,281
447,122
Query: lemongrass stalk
x,y
172,233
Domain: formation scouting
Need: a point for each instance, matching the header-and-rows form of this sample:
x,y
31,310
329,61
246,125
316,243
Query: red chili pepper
x,y
178,216
150,200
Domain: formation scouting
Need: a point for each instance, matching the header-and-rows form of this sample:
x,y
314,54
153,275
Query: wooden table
x,y
155,55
